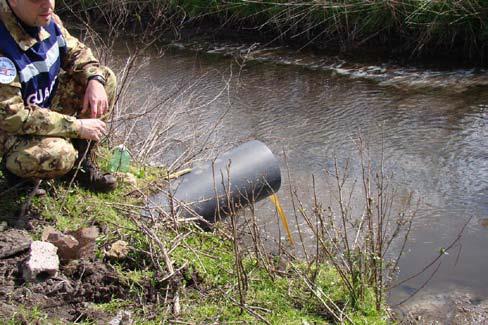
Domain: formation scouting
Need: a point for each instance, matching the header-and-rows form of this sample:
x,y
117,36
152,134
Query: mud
x,y
455,308
67,297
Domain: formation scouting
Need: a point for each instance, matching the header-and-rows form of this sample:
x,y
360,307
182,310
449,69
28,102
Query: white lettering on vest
x,y
41,94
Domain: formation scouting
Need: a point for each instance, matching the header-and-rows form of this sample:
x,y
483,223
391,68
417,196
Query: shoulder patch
x,y
7,70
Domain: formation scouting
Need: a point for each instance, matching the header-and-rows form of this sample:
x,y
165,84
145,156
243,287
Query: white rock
x,y
127,178
43,262
123,318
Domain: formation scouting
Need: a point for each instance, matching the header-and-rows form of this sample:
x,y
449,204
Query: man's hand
x,y
95,102
91,129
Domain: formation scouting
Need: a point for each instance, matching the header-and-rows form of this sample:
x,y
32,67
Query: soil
x,y
456,308
67,297
80,284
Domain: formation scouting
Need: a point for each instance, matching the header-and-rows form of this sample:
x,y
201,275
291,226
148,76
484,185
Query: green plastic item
x,y
120,161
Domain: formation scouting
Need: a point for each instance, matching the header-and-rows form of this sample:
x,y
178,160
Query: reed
x,y
411,27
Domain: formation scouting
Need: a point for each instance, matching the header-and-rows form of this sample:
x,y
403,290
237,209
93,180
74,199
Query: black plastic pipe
x,y
239,177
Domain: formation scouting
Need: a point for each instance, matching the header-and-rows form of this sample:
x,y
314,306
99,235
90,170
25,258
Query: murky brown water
x,y
434,143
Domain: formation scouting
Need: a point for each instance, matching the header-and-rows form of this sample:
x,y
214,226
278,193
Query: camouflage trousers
x,y
48,157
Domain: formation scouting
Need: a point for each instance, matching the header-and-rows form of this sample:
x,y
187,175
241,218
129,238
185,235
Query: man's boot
x,y
88,175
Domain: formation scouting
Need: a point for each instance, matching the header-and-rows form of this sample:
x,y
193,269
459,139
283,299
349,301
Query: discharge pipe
x,y
235,179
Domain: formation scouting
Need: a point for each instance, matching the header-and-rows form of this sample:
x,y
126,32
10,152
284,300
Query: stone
x,y
123,317
46,231
126,178
43,262
68,246
119,249
87,241
13,242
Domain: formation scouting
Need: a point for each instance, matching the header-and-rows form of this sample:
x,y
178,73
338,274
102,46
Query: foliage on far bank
x,y
406,27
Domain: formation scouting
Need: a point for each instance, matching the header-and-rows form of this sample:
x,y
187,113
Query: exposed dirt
x,y
455,308
66,297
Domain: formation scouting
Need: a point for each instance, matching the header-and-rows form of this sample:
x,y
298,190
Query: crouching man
x,y
54,98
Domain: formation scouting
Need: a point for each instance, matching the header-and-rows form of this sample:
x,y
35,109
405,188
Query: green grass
x,y
208,286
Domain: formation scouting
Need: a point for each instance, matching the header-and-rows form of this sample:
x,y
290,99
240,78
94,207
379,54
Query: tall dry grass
x,y
406,27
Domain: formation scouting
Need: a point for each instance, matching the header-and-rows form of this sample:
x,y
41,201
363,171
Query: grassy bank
x,y
175,272
455,29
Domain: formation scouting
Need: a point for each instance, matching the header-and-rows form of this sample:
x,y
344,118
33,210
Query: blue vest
x,y
39,66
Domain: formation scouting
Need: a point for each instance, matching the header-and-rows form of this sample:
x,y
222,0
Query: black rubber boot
x,y
88,175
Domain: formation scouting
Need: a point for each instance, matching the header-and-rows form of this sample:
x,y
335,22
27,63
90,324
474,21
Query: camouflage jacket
x,y
20,118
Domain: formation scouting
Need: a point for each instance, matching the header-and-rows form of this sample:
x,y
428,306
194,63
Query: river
x,y
433,140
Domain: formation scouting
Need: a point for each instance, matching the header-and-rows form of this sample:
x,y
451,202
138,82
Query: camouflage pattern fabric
x,y
35,142
67,100
49,157
40,157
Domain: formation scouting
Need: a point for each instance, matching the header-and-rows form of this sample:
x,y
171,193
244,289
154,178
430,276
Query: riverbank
x,y
159,269
213,283
408,29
